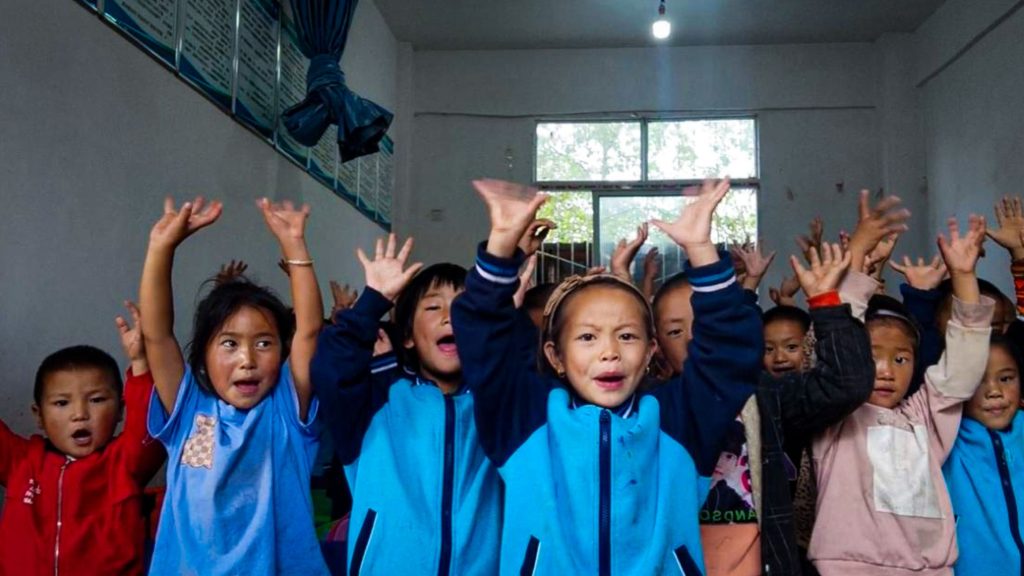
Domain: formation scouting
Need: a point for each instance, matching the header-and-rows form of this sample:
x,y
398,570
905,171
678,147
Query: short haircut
x,y
221,303
678,280
435,276
536,298
77,358
1011,347
787,314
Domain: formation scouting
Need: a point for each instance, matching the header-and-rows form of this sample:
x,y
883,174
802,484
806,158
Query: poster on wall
x,y
291,89
208,47
366,198
385,179
348,179
257,65
151,23
323,157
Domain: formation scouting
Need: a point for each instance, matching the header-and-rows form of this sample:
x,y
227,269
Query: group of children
x,y
590,427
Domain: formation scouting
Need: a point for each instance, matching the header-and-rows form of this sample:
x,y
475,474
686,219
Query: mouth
x,y
446,344
610,380
885,391
783,369
81,437
998,410
249,387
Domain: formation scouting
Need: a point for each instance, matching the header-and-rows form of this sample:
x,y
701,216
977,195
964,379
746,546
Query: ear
x,y
652,349
408,344
551,353
39,415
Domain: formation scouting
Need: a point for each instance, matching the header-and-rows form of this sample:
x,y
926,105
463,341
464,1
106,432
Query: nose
x,y
991,390
777,356
247,356
81,411
610,351
883,369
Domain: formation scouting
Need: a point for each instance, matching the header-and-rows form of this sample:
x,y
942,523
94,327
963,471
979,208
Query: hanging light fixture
x,y
661,28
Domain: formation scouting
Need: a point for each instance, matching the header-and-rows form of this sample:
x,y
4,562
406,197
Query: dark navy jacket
x,y
589,491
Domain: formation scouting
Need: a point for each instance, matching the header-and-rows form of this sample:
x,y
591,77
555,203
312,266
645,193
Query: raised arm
x,y
145,454
288,225
156,298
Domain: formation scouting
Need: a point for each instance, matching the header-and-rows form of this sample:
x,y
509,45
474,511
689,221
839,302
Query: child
x,y
883,507
600,479
785,329
985,470
238,418
425,499
74,498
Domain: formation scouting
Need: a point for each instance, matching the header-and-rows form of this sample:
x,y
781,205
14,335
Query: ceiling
x,y
524,24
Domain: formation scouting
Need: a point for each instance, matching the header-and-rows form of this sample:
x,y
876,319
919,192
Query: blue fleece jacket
x,y
589,490
985,477
425,498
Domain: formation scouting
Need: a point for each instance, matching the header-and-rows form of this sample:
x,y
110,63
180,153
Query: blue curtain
x,y
323,31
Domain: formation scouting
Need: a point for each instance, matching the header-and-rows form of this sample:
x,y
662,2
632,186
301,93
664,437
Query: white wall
x,y
974,118
94,134
817,105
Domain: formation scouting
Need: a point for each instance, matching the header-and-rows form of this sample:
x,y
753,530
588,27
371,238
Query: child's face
x,y
79,410
674,325
783,347
604,348
893,351
243,359
434,339
996,400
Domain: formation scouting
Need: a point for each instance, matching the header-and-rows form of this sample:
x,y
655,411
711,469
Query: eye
x,y
229,343
792,348
675,333
432,307
60,403
628,337
264,344
99,399
769,349
901,360
1007,378
586,337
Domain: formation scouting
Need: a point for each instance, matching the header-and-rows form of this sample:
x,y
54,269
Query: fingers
x,y
863,205
954,230
362,258
798,268
408,275
378,252
133,309
901,268
390,250
122,326
406,250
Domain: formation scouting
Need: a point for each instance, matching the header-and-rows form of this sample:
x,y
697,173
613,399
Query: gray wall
x,y
818,105
94,134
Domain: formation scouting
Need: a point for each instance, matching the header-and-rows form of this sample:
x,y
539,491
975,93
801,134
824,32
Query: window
x,y
605,177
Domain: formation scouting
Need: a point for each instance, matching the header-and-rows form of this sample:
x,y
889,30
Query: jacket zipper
x,y
1011,500
605,537
444,566
60,517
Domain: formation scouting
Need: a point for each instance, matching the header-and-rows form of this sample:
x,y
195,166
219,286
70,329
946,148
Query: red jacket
x,y
84,516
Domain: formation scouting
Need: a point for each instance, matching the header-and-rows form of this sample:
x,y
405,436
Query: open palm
x,y
693,226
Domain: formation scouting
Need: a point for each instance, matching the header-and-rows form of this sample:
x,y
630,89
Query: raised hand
x,y
755,263
652,265
825,272
525,281
625,252
387,273
131,339
923,275
961,256
512,208
344,297
692,229
286,222
230,271
807,242
176,225
785,294
535,234
876,223
874,261
1010,234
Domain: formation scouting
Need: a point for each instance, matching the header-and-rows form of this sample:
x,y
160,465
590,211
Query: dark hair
x,y
677,280
77,358
536,298
435,276
557,322
787,314
1011,348
221,303
887,310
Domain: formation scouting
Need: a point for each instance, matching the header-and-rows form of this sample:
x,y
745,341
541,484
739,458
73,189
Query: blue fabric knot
x,y
324,70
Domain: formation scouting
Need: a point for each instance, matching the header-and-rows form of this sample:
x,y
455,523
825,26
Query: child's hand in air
x,y
131,339
625,252
386,273
344,297
230,271
525,281
286,222
755,262
875,224
785,294
512,208
923,275
176,225
825,271
652,265
961,255
1010,234
692,229
535,234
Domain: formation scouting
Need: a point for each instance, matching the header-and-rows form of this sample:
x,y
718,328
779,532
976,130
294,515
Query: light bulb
x,y
661,28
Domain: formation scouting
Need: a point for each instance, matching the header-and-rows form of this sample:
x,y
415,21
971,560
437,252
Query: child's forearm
x,y
965,287
309,314
156,303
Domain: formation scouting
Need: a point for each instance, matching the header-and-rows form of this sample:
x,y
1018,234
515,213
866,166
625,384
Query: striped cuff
x,y
383,362
497,270
713,277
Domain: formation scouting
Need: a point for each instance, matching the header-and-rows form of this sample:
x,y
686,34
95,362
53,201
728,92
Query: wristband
x,y
299,262
830,298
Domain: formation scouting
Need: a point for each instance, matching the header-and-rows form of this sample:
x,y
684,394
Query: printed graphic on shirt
x,y
198,451
902,480
31,492
730,500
